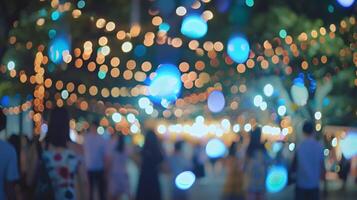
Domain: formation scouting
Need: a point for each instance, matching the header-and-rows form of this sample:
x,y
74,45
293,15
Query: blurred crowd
x,y
57,168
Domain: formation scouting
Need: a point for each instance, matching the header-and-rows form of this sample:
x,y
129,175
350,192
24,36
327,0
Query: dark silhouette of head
x,y
308,128
178,146
58,127
255,142
232,149
151,141
2,120
152,151
15,141
121,143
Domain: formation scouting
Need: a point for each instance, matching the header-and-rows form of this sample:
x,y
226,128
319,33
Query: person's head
x,y
232,149
178,146
255,142
151,141
15,141
308,128
58,127
2,120
121,143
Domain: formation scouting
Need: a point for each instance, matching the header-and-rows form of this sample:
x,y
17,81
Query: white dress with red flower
x,y
62,167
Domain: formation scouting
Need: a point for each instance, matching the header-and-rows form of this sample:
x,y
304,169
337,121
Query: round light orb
x,y
291,146
238,49
161,129
326,152
64,94
200,119
236,128
215,148
131,118
226,124
281,110
193,26
134,128
116,117
164,27
55,15
149,110
11,65
185,180
346,3
277,178
166,84
144,102
318,115
247,127
216,101
263,106
126,47
81,4
348,145
283,33
57,47
258,99
268,90
100,130
5,101
300,94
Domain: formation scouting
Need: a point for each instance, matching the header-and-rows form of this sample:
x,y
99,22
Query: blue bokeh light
x,y
185,180
193,26
349,145
299,81
166,85
57,47
277,178
55,15
81,4
216,101
140,50
52,33
215,148
238,49
5,101
165,27
346,3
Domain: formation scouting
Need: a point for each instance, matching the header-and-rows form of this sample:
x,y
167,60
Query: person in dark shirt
x,y
9,173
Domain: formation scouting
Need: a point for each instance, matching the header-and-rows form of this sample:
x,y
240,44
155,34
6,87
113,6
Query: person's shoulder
x,y
7,147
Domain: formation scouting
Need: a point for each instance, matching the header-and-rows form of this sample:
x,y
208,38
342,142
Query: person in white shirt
x,y
309,162
94,154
